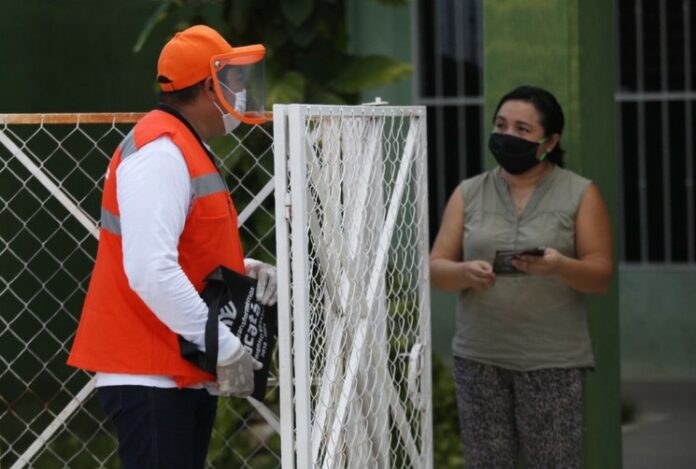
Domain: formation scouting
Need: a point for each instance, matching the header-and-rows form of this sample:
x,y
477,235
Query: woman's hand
x,y
540,265
448,272
591,270
478,275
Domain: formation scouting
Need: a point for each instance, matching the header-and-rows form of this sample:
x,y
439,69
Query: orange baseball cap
x,y
185,59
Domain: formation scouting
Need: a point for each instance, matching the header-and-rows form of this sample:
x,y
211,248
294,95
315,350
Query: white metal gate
x,y
51,172
351,224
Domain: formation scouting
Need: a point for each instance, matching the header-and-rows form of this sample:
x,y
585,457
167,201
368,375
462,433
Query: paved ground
x,y
663,435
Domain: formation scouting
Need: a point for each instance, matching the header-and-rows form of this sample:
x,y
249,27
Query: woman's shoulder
x,y
569,178
476,183
570,185
475,188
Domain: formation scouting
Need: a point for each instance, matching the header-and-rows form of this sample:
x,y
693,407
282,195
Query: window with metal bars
x,y
450,84
655,95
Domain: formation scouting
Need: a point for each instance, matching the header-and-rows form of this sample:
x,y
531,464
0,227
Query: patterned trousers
x,y
502,411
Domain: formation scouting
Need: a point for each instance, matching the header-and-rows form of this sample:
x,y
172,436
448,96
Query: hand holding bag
x,y
231,299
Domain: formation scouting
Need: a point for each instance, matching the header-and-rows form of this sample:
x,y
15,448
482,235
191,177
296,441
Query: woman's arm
x,y
591,271
447,271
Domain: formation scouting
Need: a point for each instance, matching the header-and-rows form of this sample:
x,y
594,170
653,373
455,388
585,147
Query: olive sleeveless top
x,y
524,322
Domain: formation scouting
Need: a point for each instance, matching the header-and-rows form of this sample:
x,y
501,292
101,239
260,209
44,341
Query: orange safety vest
x,y
117,332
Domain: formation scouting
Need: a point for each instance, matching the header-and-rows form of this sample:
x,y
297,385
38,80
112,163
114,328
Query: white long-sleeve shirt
x,y
154,197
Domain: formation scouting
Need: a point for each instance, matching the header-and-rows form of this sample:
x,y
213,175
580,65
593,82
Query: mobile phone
x,y
502,264
532,252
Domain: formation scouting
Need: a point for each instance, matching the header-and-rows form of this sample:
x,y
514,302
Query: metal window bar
x,y
689,123
662,97
440,168
457,18
655,96
642,178
458,15
620,182
666,194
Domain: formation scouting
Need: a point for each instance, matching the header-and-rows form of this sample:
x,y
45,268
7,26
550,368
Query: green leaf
x,y
157,17
296,11
319,95
303,35
290,88
368,72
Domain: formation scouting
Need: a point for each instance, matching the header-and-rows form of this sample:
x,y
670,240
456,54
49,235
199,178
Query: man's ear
x,y
208,88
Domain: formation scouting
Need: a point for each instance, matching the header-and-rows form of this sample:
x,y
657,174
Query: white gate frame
x,y
91,226
299,439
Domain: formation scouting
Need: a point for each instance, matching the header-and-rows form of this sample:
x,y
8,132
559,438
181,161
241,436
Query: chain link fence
x,y
51,174
358,307
353,289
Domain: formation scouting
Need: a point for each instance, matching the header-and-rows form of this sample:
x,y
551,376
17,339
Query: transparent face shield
x,y
239,83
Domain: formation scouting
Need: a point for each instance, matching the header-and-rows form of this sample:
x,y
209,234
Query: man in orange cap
x,y
167,222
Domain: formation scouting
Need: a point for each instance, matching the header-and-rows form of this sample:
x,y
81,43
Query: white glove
x,y
237,377
266,283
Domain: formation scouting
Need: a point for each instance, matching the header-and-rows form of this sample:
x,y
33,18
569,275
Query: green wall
x,y
567,47
658,323
76,56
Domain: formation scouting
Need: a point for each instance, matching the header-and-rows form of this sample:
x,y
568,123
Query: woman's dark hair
x,y
549,110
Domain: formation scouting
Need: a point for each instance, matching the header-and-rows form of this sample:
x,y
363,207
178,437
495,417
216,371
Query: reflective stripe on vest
x,y
110,222
128,145
201,186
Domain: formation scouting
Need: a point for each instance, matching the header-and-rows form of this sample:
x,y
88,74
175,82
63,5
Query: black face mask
x,y
514,154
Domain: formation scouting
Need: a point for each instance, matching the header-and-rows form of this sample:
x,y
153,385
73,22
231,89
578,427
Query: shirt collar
x,y
170,110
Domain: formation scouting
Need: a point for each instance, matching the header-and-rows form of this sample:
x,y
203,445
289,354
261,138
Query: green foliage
x,y
72,448
447,445
296,11
291,88
242,438
367,72
306,41
165,8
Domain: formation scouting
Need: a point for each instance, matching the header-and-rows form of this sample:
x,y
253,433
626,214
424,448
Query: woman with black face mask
x,y
523,244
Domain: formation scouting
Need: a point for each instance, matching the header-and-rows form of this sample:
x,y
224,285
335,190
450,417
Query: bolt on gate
x,y
354,350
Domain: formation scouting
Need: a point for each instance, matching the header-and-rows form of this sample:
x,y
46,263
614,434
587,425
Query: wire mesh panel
x,y
51,175
355,215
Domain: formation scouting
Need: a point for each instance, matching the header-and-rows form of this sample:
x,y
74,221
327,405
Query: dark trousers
x,y
160,427
502,411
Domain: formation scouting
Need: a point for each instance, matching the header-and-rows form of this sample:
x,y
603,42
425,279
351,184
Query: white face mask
x,y
240,101
228,120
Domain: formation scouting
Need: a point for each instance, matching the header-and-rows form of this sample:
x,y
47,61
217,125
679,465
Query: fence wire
x,y
359,294
51,175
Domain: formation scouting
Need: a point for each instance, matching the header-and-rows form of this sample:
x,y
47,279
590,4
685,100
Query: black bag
x,y
231,297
